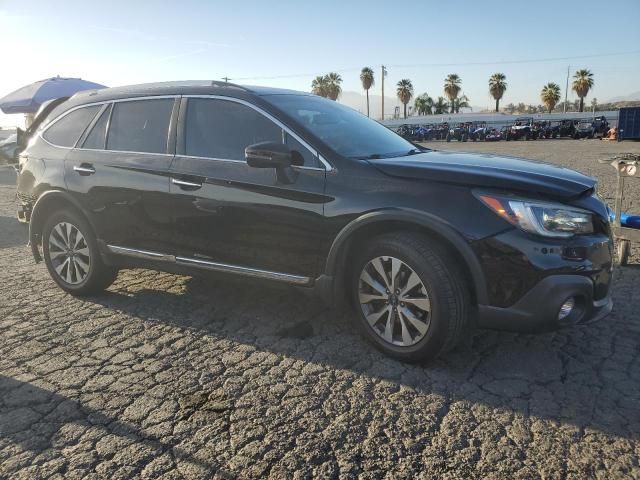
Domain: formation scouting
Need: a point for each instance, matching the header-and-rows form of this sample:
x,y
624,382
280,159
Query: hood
x,y
488,171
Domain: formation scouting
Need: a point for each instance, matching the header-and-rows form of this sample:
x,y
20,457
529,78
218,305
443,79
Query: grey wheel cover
x,y
69,253
394,301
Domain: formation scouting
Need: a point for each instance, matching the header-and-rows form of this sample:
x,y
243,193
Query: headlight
x,y
542,218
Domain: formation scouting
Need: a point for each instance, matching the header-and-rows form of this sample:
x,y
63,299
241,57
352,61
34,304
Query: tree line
x,y
329,86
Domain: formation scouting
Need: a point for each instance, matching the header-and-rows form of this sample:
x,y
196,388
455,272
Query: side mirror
x,y
268,155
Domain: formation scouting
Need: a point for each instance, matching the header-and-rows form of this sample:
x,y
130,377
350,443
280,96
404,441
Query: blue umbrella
x,y
29,98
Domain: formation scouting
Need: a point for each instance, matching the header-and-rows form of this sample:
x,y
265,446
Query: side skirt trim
x,y
215,266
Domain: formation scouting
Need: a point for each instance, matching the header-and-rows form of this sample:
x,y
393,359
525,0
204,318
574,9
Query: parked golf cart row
x,y
526,128
530,129
443,131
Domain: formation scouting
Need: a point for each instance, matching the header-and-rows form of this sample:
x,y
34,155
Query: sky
x,y
286,43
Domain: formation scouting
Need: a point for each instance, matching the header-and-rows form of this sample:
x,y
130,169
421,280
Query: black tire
x,y
622,252
444,284
99,275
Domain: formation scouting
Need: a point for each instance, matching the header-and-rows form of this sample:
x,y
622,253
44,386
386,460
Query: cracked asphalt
x,y
168,376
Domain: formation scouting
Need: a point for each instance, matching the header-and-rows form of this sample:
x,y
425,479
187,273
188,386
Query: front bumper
x,y
538,309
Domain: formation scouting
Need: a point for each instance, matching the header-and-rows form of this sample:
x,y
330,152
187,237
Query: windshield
x,y
344,130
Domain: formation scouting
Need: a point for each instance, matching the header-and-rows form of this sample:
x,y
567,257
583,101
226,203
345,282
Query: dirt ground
x,y
168,376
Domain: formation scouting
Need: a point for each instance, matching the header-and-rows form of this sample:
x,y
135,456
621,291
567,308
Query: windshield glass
x,y
344,130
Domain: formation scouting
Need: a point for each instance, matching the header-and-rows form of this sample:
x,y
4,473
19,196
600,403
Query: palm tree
x,y
319,86
440,106
582,82
550,95
458,103
497,87
424,104
333,85
366,77
404,92
452,88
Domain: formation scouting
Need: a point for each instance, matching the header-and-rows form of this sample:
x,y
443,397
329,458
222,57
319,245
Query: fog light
x,y
566,308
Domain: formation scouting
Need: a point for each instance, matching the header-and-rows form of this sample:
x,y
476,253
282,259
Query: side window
x,y
223,129
96,138
140,125
66,131
301,154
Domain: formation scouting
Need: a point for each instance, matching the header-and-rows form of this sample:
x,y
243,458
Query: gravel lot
x,y
178,377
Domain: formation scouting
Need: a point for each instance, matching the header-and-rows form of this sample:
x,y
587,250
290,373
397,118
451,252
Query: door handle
x,y
186,185
84,169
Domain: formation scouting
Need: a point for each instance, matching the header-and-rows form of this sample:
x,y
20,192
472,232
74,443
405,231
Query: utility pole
x,y
566,91
226,79
384,74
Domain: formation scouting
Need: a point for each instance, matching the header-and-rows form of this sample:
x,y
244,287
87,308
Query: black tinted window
x,y
66,131
140,126
223,129
301,154
96,137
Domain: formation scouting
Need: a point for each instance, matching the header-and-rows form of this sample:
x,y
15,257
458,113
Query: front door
x,y
240,216
119,172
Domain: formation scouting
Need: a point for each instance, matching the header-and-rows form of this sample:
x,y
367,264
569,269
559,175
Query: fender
x,y
416,217
38,215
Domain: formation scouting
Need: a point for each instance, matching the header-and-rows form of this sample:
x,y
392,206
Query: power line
x,y
454,64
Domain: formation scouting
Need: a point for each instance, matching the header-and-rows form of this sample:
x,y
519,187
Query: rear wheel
x,y
411,299
72,257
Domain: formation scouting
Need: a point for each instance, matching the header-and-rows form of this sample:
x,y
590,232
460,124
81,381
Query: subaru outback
x,y
290,187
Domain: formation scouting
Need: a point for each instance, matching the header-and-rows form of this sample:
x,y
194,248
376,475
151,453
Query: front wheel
x,y
411,299
72,257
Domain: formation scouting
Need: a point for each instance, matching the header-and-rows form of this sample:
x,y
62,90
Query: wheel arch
x,y
47,203
381,221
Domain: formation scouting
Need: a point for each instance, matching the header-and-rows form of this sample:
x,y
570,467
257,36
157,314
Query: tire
x,y
443,318
448,138
622,252
88,275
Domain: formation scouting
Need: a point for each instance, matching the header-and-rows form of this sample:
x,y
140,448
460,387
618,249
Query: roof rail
x,y
218,83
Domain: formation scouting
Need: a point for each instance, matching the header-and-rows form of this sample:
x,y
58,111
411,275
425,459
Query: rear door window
x,y
66,131
140,125
96,138
223,129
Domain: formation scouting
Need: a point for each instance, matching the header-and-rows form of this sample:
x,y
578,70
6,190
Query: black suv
x,y
291,187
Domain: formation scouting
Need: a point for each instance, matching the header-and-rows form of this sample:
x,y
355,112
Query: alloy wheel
x,y
69,253
394,301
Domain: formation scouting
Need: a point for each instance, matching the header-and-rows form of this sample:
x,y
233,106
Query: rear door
x,y
119,171
240,216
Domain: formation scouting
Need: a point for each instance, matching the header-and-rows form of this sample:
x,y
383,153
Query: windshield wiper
x,y
373,156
